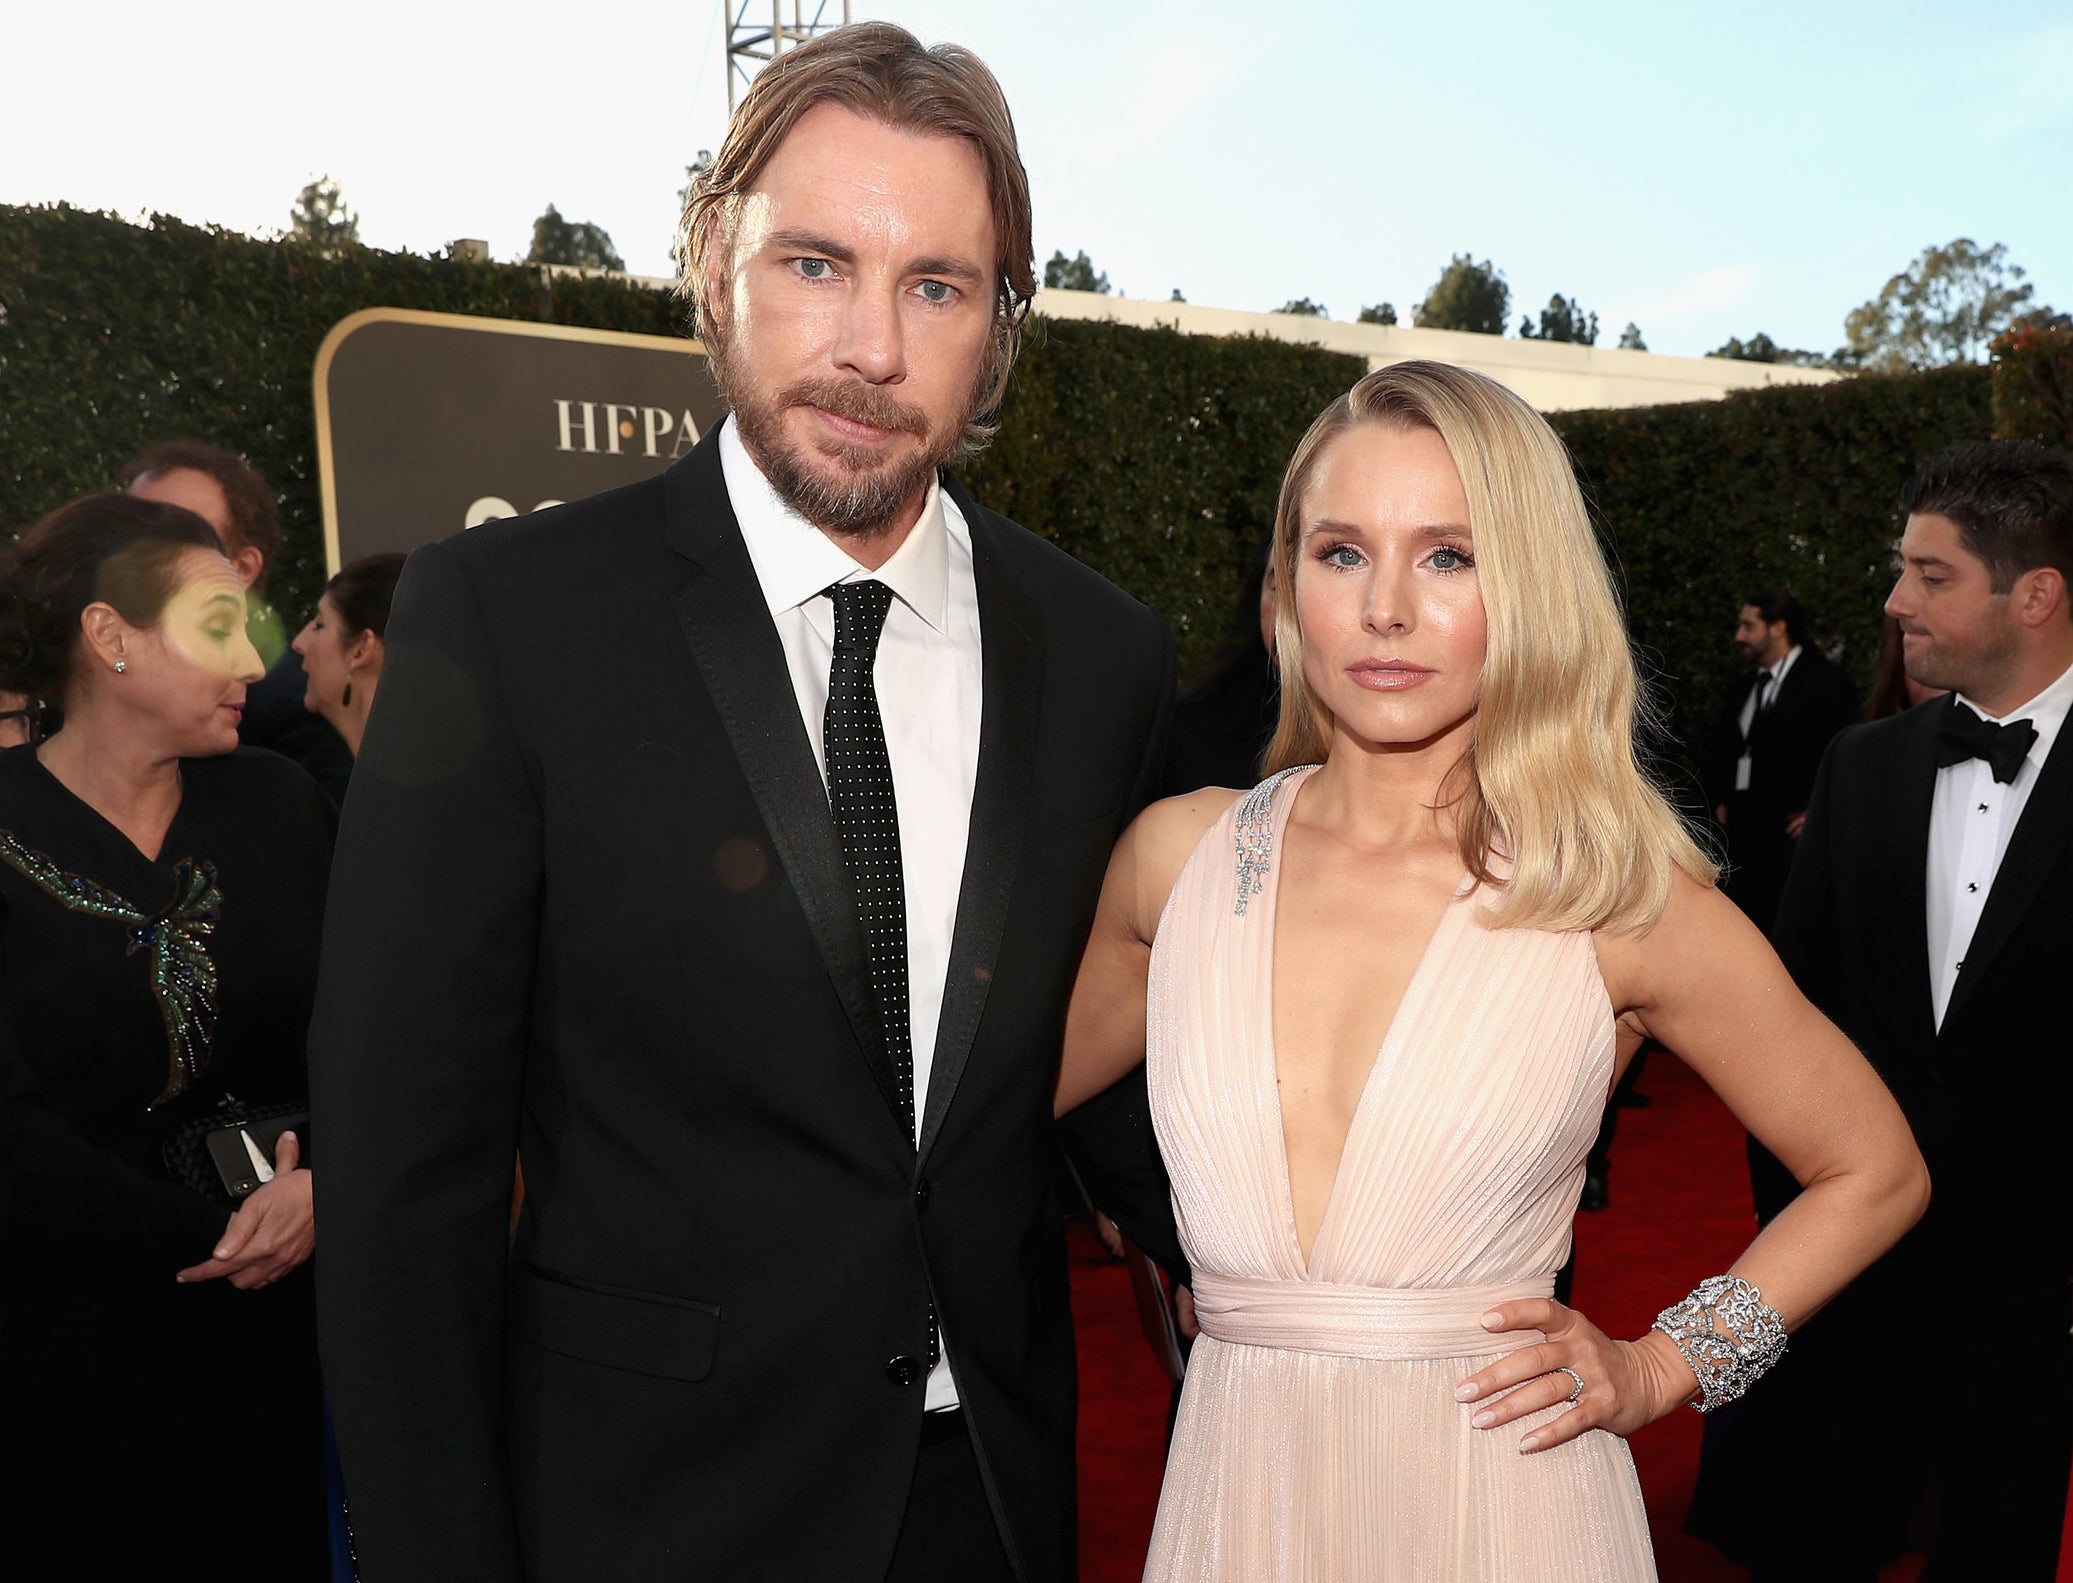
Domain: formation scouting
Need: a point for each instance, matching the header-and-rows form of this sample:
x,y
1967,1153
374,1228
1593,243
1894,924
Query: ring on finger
x,y
1574,1394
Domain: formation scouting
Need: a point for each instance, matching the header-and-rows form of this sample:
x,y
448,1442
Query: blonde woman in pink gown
x,y
1383,997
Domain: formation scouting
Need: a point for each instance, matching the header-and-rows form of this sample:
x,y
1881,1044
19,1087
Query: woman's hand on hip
x,y
273,1231
1614,1385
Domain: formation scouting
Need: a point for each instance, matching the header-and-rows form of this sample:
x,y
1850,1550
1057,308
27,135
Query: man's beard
x,y
865,495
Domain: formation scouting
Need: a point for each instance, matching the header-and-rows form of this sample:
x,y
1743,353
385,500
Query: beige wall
x,y
1550,374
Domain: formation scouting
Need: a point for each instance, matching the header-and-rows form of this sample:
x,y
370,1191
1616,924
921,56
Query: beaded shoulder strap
x,y
183,976
1252,832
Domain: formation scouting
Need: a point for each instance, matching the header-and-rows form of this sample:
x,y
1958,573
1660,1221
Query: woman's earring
x,y
121,666
347,701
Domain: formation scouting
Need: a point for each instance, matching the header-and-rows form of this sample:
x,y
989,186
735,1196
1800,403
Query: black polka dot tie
x,y
867,823
867,818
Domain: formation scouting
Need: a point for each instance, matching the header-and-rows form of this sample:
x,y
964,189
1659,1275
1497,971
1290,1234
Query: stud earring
x,y
121,666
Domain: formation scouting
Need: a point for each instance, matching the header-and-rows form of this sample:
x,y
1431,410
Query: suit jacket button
x,y
921,1193
904,1370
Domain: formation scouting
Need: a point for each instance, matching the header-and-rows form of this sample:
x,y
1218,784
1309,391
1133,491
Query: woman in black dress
x,y
161,895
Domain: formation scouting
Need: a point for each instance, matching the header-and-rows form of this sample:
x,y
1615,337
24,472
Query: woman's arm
x,y
1703,983
1104,1023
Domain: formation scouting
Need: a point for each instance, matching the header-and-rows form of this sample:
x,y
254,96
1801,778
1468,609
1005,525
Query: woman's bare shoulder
x,y
1155,849
1698,926
1171,828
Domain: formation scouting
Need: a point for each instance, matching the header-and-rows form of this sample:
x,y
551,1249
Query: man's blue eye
x,y
935,291
813,268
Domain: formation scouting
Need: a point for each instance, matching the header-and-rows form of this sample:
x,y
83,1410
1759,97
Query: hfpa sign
x,y
428,423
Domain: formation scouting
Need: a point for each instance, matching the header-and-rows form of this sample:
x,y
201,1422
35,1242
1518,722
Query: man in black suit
x,y
1930,915
722,848
1768,745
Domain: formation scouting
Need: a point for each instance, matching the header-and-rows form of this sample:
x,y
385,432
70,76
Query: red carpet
x,y
1680,1211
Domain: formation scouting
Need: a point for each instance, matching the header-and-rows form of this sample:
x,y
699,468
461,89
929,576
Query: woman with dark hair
x,y
161,894
343,645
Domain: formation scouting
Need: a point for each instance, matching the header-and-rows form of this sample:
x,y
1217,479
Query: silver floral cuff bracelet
x,y
1727,1333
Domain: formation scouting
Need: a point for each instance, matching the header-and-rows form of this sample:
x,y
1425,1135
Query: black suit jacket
x,y
1786,741
1987,1093
590,908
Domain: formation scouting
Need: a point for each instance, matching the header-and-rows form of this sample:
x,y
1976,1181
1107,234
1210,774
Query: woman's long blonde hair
x,y
1551,780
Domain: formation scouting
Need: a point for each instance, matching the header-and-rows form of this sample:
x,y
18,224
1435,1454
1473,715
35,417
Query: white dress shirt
x,y
1764,692
930,690
1970,821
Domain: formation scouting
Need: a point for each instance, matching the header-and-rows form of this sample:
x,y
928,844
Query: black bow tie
x,y
1962,735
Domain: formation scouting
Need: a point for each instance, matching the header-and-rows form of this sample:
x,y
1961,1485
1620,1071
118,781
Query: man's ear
x,y
248,563
2039,596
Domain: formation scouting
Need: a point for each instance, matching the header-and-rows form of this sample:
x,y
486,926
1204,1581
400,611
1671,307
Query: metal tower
x,y
755,42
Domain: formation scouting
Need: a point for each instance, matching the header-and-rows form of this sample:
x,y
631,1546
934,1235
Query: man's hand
x,y
1795,823
273,1231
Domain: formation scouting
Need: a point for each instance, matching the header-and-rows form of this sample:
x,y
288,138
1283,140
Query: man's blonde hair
x,y
882,72
1551,784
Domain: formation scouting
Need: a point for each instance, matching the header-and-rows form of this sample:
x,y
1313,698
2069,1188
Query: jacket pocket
x,y
642,1332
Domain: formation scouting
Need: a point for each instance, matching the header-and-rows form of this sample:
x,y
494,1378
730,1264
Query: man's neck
x,y
2036,670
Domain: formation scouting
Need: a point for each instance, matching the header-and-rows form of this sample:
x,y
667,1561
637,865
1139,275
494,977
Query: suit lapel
x,y
1012,667
721,609
2033,851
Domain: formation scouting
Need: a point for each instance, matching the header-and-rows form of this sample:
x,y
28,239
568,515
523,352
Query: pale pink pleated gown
x,y
1318,1435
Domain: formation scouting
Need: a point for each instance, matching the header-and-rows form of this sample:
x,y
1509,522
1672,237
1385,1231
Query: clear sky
x,y
1705,171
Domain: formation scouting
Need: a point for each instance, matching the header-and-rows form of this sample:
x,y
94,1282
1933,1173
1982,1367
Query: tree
x,y
1379,313
1303,307
698,167
321,217
2042,319
1943,308
1562,320
577,242
1630,338
1760,348
1467,296
1176,297
1074,274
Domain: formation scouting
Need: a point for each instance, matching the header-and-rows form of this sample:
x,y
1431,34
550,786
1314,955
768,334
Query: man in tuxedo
x,y
1930,914
722,849
1765,752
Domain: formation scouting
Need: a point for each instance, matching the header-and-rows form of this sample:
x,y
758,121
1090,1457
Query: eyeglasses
x,y
31,719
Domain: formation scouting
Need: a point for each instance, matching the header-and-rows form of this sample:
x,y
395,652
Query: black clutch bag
x,y
227,1152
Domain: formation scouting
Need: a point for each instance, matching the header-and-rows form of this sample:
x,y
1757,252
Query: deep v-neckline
x,y
1270,1074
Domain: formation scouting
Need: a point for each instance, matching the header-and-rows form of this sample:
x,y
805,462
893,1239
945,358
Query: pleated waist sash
x,y
1385,1324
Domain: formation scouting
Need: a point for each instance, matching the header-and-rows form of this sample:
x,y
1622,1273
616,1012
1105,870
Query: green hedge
x,y
113,336
2033,386
1151,455
1155,457
1704,502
